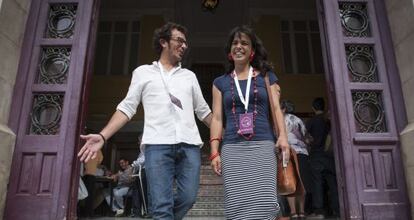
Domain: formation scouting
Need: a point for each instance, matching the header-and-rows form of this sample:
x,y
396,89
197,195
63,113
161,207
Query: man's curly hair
x,y
164,32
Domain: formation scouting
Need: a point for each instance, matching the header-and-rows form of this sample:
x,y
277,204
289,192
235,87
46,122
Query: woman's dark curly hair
x,y
259,61
164,32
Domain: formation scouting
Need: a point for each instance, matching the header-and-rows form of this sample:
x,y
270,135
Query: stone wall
x,y
13,16
401,18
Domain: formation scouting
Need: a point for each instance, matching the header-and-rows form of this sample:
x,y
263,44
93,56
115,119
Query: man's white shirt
x,y
164,122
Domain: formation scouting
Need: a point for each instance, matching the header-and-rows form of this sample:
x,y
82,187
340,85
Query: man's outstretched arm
x,y
94,142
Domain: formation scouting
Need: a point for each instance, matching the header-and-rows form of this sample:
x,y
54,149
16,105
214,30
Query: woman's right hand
x,y
94,142
216,165
284,147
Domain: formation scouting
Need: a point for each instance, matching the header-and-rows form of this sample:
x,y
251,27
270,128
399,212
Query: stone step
x,y
208,171
217,192
210,199
211,190
206,166
217,199
211,187
210,180
209,205
206,212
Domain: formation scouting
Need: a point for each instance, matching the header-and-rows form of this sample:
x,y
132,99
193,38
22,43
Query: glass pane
x,y
46,114
314,26
317,53
284,25
121,26
361,62
369,112
133,57
102,53
302,53
118,54
354,19
54,65
135,26
61,21
299,25
104,26
287,55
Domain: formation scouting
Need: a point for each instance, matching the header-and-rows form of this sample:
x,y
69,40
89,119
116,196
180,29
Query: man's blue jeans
x,y
163,164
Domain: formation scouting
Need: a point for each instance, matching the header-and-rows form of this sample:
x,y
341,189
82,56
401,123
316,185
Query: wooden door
x,y
368,112
46,108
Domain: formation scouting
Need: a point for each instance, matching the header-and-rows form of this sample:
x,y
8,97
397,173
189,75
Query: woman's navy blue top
x,y
263,126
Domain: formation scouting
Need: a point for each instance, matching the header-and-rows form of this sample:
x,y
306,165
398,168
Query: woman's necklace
x,y
233,110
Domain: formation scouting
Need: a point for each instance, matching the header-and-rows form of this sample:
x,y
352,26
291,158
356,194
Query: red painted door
x,y
366,107
46,108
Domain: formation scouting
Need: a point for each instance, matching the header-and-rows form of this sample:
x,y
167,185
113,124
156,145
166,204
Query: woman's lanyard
x,y
249,81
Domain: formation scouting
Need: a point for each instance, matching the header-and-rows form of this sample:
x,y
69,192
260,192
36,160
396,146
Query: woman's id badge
x,y
246,123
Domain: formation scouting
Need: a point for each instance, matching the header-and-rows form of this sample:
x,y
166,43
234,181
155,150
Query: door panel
x,y
45,108
368,151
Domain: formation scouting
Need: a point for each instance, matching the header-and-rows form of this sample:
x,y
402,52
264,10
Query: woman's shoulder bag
x,y
289,182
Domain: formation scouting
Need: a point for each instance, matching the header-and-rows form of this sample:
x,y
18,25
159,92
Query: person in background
x,y
322,166
124,180
296,137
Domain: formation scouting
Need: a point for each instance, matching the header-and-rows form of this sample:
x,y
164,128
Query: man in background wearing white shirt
x,y
170,95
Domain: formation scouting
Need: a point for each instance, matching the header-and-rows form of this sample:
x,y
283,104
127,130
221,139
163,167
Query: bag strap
x,y
300,189
271,104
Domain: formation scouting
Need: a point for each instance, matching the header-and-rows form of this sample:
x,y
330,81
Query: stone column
x,y
13,16
401,18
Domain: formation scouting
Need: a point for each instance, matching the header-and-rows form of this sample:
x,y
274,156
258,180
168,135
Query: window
x,y
301,47
117,47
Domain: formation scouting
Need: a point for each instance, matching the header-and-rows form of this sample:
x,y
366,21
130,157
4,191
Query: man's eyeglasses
x,y
180,41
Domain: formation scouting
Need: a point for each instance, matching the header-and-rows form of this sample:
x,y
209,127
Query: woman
x,y
248,159
296,136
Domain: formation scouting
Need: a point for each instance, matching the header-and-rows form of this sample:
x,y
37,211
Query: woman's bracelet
x,y
215,139
103,138
212,156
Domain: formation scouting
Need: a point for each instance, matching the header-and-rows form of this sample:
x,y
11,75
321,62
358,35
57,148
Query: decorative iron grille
x,y
369,112
354,19
361,63
61,21
46,114
54,65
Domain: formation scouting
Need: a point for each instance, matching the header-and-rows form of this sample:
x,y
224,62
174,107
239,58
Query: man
x,y
170,95
124,181
322,166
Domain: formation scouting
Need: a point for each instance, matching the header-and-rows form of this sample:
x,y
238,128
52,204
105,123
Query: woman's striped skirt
x,y
249,171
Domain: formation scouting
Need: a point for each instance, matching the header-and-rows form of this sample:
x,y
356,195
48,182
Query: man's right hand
x,y
94,143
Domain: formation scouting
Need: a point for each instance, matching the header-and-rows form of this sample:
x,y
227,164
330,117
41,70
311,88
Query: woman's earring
x,y
251,57
230,57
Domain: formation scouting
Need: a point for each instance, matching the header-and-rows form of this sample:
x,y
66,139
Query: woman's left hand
x,y
216,165
284,147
